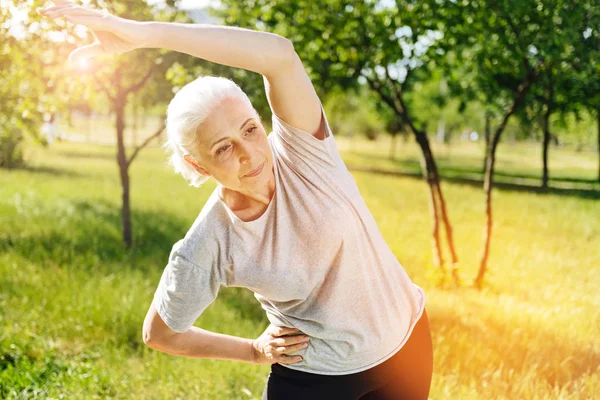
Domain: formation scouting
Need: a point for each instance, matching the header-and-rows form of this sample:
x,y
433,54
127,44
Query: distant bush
x,y
11,152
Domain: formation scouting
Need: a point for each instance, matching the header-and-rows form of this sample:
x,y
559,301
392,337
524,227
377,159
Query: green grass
x,y
72,300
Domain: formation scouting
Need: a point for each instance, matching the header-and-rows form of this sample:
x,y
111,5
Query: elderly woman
x,y
286,221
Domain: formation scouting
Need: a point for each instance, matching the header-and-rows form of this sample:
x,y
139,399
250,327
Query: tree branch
x,y
376,86
137,86
104,88
401,104
145,142
518,97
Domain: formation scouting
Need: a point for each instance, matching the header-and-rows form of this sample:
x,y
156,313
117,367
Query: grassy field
x,y
72,300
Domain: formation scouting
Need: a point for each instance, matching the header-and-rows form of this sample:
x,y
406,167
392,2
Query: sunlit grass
x,y
72,300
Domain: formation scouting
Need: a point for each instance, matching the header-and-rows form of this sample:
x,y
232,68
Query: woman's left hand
x,y
114,35
276,342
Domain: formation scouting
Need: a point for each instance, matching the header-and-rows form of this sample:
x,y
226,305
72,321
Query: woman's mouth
x,y
255,172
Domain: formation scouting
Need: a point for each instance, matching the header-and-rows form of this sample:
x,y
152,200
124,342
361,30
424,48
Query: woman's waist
x,y
349,340
321,362
339,348
362,325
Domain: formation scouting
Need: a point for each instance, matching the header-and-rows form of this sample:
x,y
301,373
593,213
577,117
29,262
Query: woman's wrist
x,y
253,353
151,33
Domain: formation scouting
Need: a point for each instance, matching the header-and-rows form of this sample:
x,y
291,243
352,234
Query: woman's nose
x,y
246,153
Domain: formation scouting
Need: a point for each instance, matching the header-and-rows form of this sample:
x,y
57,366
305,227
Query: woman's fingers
x,y
52,13
93,23
284,330
72,11
85,52
292,348
290,340
49,10
61,2
289,359
277,342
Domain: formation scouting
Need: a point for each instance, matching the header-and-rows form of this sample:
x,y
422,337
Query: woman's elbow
x,y
287,52
147,337
281,59
150,338
154,331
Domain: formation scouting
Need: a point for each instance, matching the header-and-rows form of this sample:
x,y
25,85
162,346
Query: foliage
x,y
351,113
492,47
18,95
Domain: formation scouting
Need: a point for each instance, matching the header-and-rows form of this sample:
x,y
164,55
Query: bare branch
x,y
145,142
137,86
104,88
376,86
401,105
397,93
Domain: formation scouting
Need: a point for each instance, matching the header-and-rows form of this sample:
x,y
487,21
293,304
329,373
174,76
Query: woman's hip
x,y
414,361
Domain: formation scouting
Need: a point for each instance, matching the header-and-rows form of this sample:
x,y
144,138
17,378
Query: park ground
x,y
72,300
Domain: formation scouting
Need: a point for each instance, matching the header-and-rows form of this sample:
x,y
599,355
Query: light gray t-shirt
x,y
315,260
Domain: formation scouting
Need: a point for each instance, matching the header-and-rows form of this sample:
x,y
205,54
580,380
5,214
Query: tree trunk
x,y
393,146
429,170
135,123
487,233
487,140
547,134
123,170
430,174
70,117
438,207
449,234
518,97
546,143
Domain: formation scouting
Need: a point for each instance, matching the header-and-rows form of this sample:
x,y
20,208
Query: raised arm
x,y
289,90
256,51
292,97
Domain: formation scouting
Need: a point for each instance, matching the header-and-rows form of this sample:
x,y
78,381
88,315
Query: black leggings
x,y
406,375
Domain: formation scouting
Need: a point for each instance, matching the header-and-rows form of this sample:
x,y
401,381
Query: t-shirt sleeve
x,y
186,288
301,151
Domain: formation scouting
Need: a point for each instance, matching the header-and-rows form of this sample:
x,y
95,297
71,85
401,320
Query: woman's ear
x,y
192,161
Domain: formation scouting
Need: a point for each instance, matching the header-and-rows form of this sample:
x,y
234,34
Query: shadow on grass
x,y
559,362
87,155
476,180
46,170
90,238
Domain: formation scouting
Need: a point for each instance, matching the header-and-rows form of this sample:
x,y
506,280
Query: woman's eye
x,y
251,130
222,149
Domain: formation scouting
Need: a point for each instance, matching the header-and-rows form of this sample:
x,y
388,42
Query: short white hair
x,y
188,109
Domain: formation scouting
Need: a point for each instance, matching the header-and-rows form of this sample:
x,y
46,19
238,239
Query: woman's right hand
x,y
114,35
276,342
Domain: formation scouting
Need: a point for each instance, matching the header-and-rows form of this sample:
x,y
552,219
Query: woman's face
x,y
233,143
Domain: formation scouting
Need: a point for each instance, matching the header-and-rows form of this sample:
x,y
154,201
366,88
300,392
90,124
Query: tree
x,y
563,47
500,50
17,106
32,83
346,44
587,67
118,78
